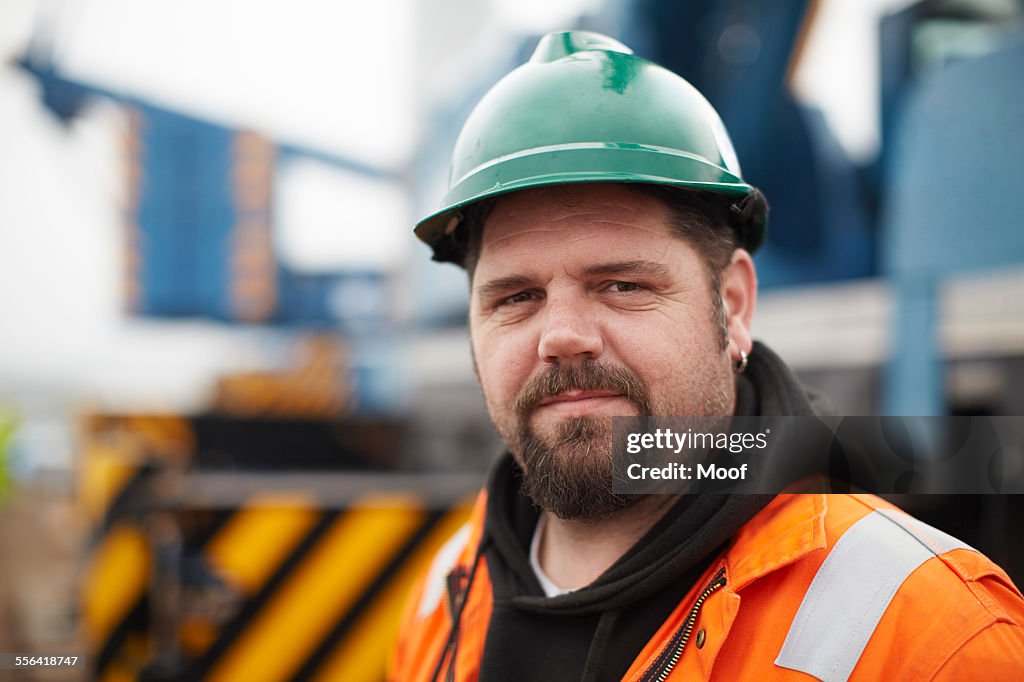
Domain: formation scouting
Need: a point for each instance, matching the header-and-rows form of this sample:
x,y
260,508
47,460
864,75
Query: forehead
x,y
567,217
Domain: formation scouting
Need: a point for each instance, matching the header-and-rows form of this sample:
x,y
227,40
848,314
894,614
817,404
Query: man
x,y
598,209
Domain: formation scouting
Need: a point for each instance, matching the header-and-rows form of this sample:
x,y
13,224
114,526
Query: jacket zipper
x,y
667,659
453,604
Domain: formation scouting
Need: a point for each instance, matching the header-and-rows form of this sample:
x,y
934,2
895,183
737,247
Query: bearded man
x,y
598,209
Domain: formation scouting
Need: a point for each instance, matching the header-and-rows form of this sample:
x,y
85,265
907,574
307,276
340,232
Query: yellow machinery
x,y
202,565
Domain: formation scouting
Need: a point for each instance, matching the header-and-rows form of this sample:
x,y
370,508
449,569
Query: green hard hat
x,y
585,109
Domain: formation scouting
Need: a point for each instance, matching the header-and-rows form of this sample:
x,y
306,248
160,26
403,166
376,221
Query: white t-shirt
x,y
549,587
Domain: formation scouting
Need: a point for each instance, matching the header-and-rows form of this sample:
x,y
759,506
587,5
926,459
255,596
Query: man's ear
x,y
739,296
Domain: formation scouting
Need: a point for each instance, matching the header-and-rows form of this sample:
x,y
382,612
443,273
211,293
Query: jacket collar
x,y
791,526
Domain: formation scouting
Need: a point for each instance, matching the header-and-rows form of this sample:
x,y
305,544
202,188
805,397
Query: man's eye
x,y
625,287
519,297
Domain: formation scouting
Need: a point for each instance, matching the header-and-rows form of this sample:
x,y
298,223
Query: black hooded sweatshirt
x,y
596,632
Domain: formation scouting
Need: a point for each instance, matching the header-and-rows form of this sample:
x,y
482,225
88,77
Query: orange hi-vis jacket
x,y
828,587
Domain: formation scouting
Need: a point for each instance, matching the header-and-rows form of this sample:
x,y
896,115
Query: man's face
x,y
585,306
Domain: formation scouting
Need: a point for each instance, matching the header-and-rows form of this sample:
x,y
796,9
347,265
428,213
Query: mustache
x,y
585,376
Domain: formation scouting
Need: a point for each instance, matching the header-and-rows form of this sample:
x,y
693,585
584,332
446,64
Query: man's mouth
x,y
578,397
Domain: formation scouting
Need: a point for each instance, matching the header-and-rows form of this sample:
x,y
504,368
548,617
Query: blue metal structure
x,y
956,169
199,219
738,54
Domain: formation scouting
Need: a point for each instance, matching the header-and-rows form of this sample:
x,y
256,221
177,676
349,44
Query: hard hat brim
x,y
578,163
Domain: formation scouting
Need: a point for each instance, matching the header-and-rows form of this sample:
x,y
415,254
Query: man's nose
x,y
571,332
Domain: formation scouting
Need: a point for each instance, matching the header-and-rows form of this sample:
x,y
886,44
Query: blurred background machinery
x,y
237,409
224,547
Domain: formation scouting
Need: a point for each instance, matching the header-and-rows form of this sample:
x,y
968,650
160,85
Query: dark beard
x,y
571,477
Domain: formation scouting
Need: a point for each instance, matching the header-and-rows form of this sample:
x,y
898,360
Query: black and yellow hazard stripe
x,y
107,481
325,588
313,387
314,592
113,477
115,463
116,581
358,646
116,572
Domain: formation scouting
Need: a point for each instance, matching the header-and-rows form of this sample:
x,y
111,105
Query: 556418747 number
x,y
39,661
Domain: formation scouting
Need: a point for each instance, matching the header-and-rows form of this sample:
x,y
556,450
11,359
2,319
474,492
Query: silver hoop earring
x,y
740,366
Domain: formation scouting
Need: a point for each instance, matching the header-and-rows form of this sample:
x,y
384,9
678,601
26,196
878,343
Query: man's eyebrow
x,y
502,284
643,268
629,267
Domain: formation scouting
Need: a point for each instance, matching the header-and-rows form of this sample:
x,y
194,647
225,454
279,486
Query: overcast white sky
x,y
335,76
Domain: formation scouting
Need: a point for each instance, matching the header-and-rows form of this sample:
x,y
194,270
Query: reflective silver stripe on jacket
x,y
852,589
